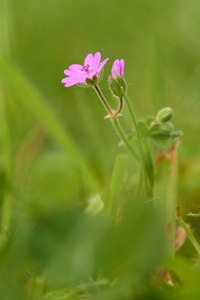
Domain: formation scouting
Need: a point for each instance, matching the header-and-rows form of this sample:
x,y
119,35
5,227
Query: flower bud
x,y
165,114
117,86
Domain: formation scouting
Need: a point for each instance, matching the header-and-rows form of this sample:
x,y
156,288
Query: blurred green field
x,y
57,152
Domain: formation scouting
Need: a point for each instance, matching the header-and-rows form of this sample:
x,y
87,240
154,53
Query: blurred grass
x,y
56,150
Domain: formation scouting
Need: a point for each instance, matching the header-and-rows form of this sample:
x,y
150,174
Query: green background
x,y
56,150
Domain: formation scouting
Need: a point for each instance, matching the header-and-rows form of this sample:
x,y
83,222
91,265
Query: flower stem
x,y
121,134
120,106
140,149
114,120
103,99
189,234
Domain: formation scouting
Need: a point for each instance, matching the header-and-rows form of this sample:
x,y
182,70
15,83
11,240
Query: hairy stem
x,y
120,106
103,99
114,120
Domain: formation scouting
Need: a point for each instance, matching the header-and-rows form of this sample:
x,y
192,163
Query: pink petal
x,y
102,65
71,73
115,68
74,74
89,60
76,68
69,81
121,67
96,60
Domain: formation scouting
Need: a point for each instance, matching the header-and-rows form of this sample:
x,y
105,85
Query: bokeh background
x,y
56,151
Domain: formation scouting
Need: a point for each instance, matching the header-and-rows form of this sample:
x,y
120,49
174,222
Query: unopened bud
x,y
117,86
165,114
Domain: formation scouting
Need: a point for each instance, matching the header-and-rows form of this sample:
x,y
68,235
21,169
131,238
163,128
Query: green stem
x,y
122,136
6,212
189,234
165,192
114,120
4,131
140,148
193,215
103,99
170,196
149,163
120,106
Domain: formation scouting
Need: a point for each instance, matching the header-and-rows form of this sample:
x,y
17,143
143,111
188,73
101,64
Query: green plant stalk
x,y
121,105
5,141
6,166
171,199
165,191
149,165
189,234
6,213
193,215
121,134
140,150
114,120
103,100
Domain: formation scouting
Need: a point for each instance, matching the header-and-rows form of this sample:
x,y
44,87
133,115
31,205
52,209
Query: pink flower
x,y
90,70
118,68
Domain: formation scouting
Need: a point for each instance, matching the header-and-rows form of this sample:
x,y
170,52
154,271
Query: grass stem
x,y
189,234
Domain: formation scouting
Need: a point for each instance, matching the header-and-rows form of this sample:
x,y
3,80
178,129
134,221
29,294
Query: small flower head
x,y
118,68
116,80
85,74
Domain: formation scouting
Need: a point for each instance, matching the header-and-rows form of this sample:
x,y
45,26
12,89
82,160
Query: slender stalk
x,y
140,148
6,212
120,106
149,163
193,215
165,193
121,134
189,234
103,99
170,198
4,131
114,120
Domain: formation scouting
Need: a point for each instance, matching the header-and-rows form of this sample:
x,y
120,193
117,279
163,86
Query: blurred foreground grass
x,y
56,152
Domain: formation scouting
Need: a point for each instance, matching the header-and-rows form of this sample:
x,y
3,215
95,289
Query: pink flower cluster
x,y
90,70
